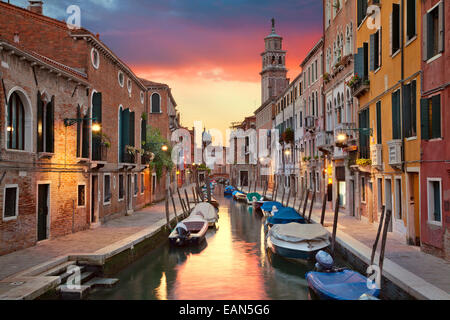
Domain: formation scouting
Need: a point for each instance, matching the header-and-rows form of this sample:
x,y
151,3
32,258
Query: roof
x,y
81,33
39,59
312,52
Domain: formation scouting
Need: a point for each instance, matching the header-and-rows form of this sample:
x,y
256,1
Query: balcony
x,y
360,87
310,123
395,153
377,155
324,140
99,150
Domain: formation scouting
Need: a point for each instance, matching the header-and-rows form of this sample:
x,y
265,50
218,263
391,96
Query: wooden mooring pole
x,y
324,207
335,222
312,206
187,199
289,198
167,213
306,203
173,203
193,194
383,242
375,245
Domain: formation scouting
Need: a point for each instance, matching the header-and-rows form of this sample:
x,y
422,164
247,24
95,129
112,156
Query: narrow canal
x,y
232,264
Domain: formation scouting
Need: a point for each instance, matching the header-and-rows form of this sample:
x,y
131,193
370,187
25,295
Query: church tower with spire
x,y
274,72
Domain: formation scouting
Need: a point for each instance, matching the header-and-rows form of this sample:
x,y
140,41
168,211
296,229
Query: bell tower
x,y
274,72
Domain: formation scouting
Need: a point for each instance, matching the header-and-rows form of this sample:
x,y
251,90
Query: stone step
x,y
79,293
101,283
59,269
87,276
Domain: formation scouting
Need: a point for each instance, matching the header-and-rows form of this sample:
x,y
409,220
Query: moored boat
x,y
252,197
268,206
206,212
330,283
229,190
285,216
298,241
189,232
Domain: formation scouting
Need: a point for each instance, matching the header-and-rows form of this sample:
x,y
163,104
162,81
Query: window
x,y
142,97
126,135
136,186
16,123
430,110
97,116
154,184
361,10
156,103
409,109
81,196
395,28
121,79
95,58
398,199
396,125
129,85
410,19
435,201
364,136
375,50
45,125
121,187
142,183
10,202
379,126
107,189
433,32
83,131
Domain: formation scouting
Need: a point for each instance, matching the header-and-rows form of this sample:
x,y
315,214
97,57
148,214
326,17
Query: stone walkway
x,y
433,270
84,242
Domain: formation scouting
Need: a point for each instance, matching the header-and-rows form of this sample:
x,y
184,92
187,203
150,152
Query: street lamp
x,y
164,148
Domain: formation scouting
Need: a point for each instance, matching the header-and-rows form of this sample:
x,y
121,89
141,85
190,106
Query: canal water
x,y
232,264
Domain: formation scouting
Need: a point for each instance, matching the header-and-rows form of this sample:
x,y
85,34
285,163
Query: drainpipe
x,y
402,28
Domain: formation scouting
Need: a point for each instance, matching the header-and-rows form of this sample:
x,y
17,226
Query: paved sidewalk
x,y
354,232
84,242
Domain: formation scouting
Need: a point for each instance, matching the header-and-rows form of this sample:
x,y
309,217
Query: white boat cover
x,y
206,211
296,232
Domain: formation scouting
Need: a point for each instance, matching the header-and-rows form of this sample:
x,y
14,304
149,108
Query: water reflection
x,y
231,264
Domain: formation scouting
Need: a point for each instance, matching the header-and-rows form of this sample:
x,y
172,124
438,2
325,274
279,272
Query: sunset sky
x,y
207,51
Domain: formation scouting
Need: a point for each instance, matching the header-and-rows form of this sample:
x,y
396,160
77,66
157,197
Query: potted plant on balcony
x,y
364,165
353,81
326,77
103,142
288,136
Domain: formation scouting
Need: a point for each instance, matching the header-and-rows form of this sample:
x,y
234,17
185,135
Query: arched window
x,y
156,103
16,123
45,124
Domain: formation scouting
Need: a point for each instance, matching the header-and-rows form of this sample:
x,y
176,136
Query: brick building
x,y
75,118
434,235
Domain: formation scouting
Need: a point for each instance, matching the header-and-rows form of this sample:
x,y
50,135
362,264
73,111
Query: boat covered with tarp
x,y
229,190
298,241
268,206
253,197
206,212
285,216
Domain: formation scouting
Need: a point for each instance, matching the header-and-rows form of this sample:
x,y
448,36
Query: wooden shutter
x,y
85,140
79,124
97,107
50,127
396,125
413,108
436,117
125,130
379,128
441,42
425,118
407,110
40,123
395,28
143,131
132,130
425,31
372,52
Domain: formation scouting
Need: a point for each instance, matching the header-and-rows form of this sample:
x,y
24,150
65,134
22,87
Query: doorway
x,y
94,199
43,211
129,193
414,236
388,198
243,178
352,198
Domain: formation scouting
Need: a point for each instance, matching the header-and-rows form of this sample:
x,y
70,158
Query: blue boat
x,y
341,285
229,191
285,216
267,207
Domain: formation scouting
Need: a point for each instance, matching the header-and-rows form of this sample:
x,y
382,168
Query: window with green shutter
x,y
410,19
379,132
396,124
45,125
430,118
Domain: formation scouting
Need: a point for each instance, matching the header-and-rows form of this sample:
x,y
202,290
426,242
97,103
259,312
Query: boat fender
x,y
324,261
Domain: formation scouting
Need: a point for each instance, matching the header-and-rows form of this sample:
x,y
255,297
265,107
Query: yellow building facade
x,y
388,54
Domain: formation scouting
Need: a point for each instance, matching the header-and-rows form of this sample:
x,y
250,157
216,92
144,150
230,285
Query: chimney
x,y
35,6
